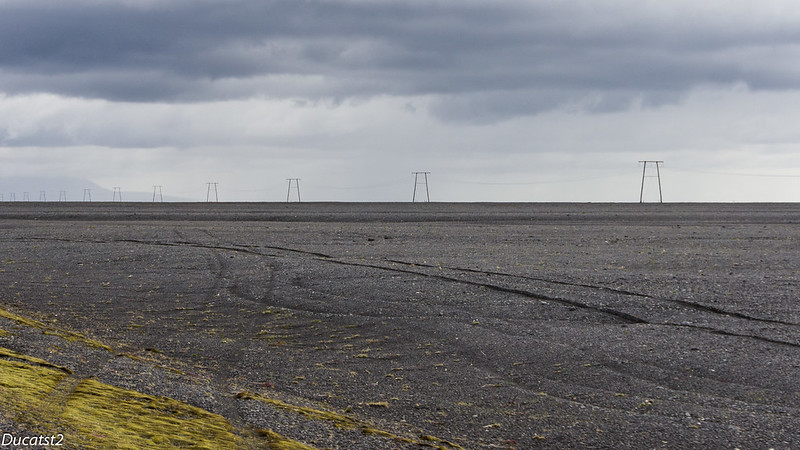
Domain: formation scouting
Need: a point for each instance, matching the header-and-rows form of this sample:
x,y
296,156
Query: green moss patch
x,y
6,353
343,421
278,442
339,420
109,416
97,415
46,329
22,320
23,387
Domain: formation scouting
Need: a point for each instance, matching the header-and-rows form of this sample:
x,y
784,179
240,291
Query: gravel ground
x,y
482,325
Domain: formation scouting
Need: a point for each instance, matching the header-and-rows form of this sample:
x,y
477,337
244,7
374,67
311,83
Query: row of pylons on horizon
x,y
212,189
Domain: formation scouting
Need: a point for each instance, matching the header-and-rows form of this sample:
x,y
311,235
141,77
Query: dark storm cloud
x,y
477,58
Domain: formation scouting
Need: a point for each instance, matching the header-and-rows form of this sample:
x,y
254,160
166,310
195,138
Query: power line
x,y
738,174
530,183
370,186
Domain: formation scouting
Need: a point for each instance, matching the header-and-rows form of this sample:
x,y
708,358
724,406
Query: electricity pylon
x,y
296,182
418,181
658,175
208,191
157,191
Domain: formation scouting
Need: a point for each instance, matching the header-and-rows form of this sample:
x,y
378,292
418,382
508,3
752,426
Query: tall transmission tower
x,y
42,196
26,197
117,194
12,196
87,195
62,196
423,179
208,191
157,191
296,182
658,175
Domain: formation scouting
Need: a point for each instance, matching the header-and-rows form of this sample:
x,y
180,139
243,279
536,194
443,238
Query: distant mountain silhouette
x,y
53,189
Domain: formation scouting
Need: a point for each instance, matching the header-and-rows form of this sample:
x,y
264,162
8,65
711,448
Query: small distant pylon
x,y
26,197
42,196
12,196
62,196
658,175
157,192
421,180
208,191
296,182
87,195
117,194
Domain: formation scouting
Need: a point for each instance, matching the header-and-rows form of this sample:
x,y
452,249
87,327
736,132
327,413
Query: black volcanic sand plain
x,y
370,326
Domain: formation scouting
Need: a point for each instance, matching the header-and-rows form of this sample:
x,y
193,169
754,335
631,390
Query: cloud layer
x,y
369,84
593,54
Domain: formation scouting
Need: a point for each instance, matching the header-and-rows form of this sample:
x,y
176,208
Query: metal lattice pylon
x,y
208,191
296,182
658,175
157,193
421,180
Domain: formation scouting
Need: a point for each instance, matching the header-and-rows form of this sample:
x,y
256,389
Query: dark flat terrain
x,y
484,325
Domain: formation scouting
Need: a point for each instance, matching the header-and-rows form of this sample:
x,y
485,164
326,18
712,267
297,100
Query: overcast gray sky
x,y
540,100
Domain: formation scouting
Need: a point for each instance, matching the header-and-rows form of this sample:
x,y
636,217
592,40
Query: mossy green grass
x,y
48,398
